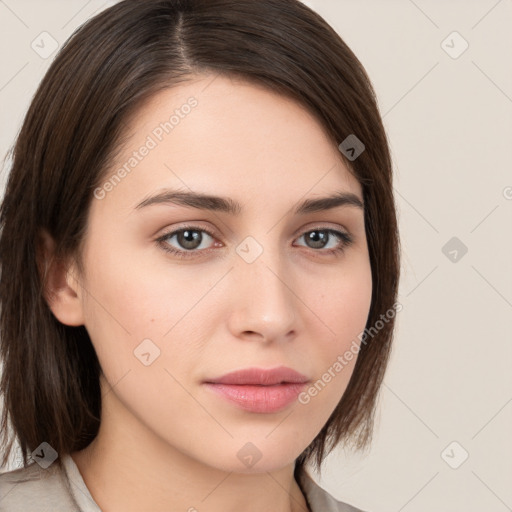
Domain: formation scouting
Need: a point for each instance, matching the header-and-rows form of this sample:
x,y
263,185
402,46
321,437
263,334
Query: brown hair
x,y
72,130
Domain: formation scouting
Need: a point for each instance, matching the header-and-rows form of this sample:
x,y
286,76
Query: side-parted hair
x,y
72,132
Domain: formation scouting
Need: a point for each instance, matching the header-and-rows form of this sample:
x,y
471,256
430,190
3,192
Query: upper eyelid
x,y
345,237
212,232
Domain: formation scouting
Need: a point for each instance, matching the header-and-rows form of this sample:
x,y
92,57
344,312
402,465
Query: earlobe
x,y
61,289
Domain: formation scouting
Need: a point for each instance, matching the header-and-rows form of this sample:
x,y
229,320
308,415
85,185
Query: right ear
x,y
61,289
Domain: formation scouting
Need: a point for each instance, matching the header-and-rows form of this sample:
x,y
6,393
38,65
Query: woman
x,y
200,263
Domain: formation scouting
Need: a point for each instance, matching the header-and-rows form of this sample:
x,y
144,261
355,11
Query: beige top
x,y
34,489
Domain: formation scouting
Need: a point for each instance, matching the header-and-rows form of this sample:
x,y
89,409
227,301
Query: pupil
x,y
318,238
190,239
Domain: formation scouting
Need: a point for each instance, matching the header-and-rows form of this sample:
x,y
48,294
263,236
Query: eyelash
x,y
346,241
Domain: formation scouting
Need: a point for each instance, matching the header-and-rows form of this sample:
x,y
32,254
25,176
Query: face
x,y
179,292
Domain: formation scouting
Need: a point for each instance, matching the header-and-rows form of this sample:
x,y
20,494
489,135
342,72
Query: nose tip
x,y
264,304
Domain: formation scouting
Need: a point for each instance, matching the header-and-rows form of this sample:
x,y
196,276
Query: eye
x,y
191,241
189,238
319,238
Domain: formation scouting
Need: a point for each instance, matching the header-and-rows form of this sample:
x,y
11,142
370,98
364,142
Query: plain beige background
x,y
443,75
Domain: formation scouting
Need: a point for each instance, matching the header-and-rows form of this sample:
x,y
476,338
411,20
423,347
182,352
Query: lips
x,y
259,390
261,377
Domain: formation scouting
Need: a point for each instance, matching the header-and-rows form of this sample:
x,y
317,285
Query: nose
x,y
263,305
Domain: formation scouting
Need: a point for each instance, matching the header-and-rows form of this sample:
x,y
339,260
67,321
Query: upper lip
x,y
261,376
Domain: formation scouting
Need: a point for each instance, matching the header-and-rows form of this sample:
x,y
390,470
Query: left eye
x,y
319,238
190,239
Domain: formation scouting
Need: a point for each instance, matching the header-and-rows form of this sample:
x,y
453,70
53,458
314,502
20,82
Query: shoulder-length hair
x,y
72,130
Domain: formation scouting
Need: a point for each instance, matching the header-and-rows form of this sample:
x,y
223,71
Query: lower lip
x,y
261,399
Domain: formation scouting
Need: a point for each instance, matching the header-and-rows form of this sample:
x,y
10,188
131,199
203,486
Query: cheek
x,y
126,291
343,308
132,308
344,303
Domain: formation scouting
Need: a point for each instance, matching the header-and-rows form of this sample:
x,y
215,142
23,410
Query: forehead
x,y
230,137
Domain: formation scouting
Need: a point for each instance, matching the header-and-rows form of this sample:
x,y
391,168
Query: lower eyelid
x,y
345,239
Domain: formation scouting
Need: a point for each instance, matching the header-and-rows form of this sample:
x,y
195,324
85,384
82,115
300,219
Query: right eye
x,y
189,238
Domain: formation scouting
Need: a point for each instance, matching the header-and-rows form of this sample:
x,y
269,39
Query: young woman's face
x,y
262,287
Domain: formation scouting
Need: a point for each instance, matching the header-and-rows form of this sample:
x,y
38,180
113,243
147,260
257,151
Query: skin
x,y
166,442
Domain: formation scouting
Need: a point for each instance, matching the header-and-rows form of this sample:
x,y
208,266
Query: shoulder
x,y
33,488
319,499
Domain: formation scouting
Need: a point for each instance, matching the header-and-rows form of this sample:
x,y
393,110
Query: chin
x,y
258,456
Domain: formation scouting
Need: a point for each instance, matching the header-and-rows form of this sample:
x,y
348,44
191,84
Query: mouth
x,y
261,377
259,390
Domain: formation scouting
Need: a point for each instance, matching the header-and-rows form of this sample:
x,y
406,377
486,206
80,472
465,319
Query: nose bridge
x,y
264,300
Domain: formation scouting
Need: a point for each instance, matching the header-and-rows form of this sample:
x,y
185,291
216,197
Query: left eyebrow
x,y
328,203
232,207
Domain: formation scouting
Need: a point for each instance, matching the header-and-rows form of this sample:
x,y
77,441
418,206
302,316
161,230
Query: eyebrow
x,y
227,205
